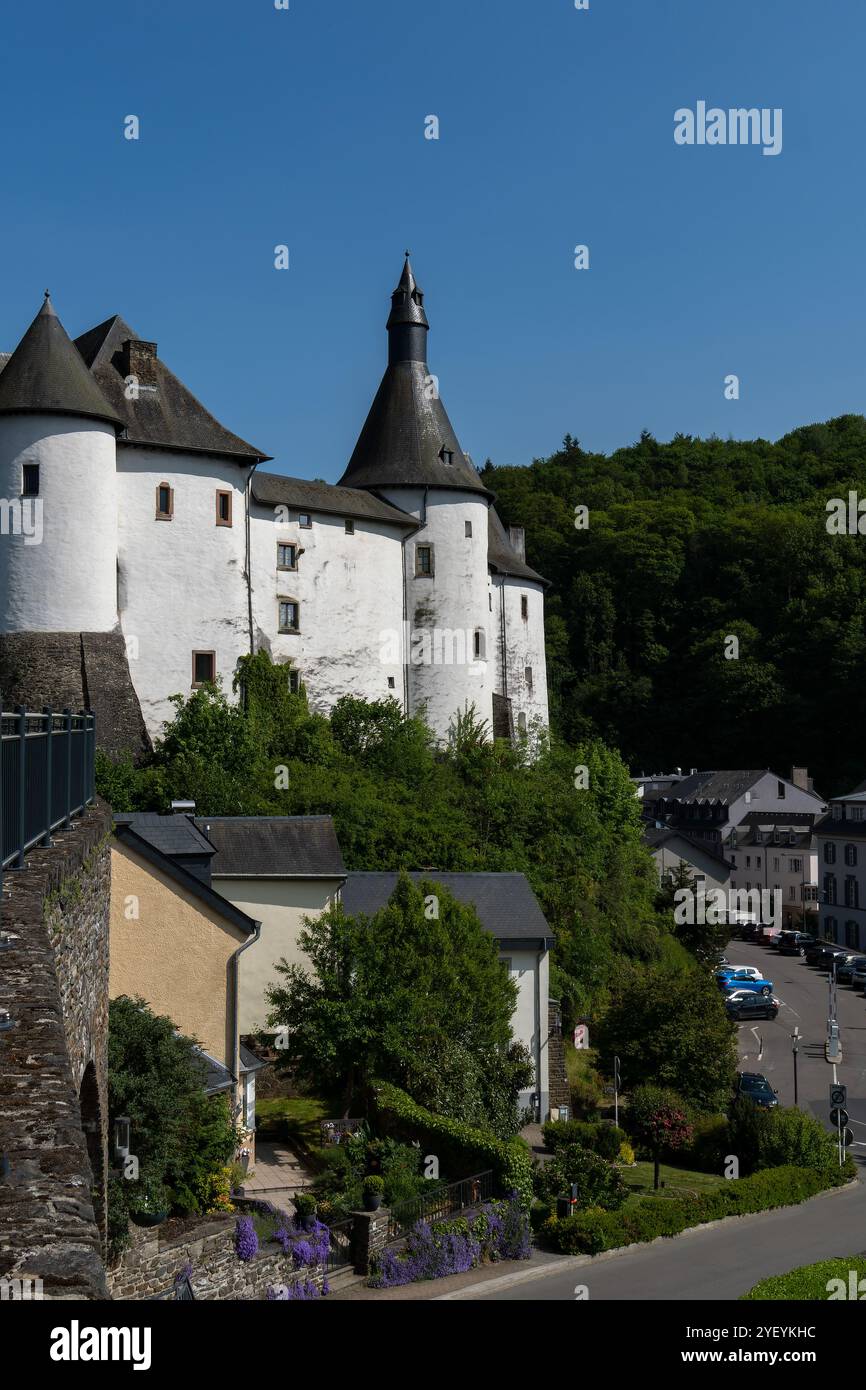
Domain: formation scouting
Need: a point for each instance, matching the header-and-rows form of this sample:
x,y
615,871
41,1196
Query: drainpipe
x,y
236,1042
538,1028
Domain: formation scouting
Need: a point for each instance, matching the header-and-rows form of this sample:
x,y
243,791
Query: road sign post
x,y
795,1039
839,1115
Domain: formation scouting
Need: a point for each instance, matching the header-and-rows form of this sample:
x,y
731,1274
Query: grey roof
x,y
501,556
172,835
249,1061
505,903
401,442
170,417
716,786
797,820
46,373
273,846
272,489
217,1076
174,869
656,837
407,301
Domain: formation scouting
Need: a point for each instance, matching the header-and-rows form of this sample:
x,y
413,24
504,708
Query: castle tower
x,y
58,547
409,454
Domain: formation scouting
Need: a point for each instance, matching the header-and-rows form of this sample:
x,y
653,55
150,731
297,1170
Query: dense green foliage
x,y
415,995
459,1147
687,542
577,1172
179,1136
592,1231
598,1136
822,1282
657,1118
771,1138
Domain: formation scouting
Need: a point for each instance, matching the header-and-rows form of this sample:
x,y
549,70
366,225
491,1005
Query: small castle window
x,y
467,529
164,502
287,556
424,561
223,508
528,674
521,723
290,613
203,668
478,644
305,520
30,480
294,680
390,682
524,607
350,526
446,455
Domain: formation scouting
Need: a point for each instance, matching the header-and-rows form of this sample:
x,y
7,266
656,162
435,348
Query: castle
x,y
164,552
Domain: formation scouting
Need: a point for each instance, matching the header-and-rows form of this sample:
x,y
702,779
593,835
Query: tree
x,y
415,995
593,1181
658,1118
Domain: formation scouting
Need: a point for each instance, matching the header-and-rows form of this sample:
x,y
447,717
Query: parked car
x,y
817,952
845,966
858,979
737,981
751,971
794,943
752,1085
745,1004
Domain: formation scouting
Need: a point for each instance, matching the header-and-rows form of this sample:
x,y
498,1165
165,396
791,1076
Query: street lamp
x,y
795,1048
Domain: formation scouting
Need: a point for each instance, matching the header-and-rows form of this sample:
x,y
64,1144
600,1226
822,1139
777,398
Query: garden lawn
x,y
679,1182
808,1284
302,1116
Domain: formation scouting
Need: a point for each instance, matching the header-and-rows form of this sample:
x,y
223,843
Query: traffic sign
x,y
839,1118
838,1095
847,1137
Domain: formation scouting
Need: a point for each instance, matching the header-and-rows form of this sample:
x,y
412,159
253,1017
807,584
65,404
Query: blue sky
x,y
306,127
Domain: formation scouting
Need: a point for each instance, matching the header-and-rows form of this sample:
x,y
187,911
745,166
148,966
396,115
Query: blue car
x,y
728,980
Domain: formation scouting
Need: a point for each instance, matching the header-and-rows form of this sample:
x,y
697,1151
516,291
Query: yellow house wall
x,y
175,953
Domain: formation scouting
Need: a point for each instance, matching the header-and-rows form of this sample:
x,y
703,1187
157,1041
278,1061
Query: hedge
x,y
809,1282
590,1232
601,1138
473,1149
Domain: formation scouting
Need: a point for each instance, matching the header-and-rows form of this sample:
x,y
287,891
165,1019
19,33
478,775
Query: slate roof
x,y
716,786
170,417
273,846
172,835
656,837
128,834
505,903
501,556
47,374
271,489
831,829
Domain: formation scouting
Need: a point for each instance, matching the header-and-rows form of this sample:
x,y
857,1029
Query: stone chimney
x,y
800,777
139,360
517,539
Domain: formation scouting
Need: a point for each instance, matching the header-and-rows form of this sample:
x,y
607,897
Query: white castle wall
x,y
524,647
445,677
181,585
67,582
350,591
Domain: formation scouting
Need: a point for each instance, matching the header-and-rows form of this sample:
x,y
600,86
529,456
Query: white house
x,y
161,535
841,850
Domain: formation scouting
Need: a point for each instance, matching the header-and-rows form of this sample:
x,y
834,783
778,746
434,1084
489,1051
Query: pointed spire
x,y
46,373
407,301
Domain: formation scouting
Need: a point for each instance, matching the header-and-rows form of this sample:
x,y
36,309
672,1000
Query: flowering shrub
x,y
500,1231
281,1293
246,1240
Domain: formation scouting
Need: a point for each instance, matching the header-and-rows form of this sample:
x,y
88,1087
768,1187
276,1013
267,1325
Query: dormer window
x,y
30,480
446,455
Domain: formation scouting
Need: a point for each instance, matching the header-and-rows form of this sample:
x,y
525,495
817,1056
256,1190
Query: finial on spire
x,y
47,294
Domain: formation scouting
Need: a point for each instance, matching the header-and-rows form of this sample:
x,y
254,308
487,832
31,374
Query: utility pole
x,y
795,1040
616,1081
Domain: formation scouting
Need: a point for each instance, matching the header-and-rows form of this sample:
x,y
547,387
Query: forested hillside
x,y
688,542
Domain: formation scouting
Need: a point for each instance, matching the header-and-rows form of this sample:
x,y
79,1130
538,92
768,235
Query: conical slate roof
x,y
46,373
407,439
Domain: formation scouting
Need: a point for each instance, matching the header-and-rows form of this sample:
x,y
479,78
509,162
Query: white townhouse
x,y
841,847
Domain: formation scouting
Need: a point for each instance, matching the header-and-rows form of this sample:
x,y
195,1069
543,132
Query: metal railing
x,y
340,1247
47,776
448,1201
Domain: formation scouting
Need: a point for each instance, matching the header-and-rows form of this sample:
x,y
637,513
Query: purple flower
x,y
246,1240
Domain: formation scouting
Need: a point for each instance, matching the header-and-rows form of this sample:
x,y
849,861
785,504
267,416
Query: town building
x,y
841,851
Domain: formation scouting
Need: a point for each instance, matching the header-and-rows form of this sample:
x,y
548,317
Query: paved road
x,y
725,1261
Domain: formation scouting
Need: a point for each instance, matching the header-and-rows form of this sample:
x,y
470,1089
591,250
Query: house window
x,y
829,888
829,853
390,682
781,791
223,508
856,812
478,644
831,928
757,861
423,561
851,934
851,854
203,668
748,861
287,556
164,502
792,893
524,607
838,812
290,611
852,891
30,480
305,520
467,529
796,865
350,526
527,671
294,680
776,863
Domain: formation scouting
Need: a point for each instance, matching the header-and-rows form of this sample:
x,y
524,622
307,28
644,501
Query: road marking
x,y
759,1040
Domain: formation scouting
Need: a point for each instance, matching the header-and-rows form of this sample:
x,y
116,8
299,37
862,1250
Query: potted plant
x,y
374,1191
149,1202
305,1210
